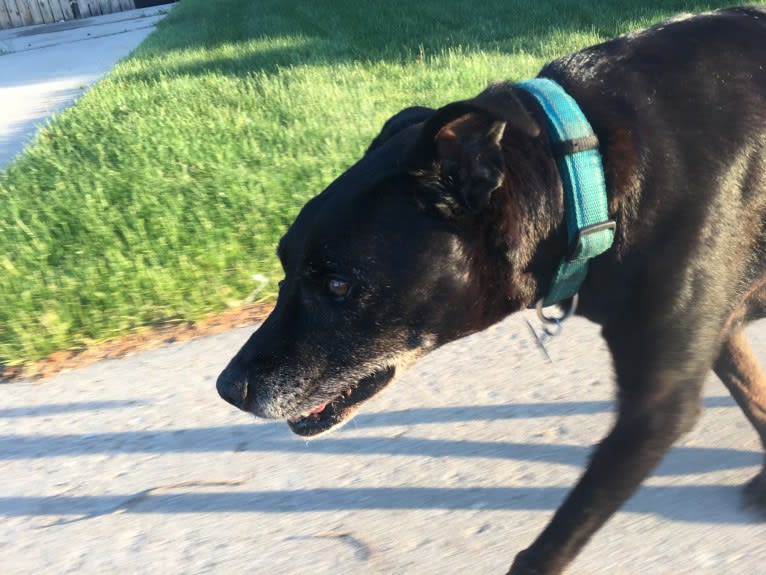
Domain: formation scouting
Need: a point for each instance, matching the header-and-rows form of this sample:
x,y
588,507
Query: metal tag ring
x,y
557,320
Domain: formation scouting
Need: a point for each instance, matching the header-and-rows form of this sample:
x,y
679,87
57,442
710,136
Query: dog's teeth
x,y
297,418
314,413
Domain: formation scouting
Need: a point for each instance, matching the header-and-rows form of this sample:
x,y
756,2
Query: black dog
x,y
455,218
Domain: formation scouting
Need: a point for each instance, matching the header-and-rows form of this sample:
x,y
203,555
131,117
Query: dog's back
x,y
680,109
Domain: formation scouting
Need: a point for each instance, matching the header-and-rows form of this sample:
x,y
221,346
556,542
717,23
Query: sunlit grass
x,y
164,190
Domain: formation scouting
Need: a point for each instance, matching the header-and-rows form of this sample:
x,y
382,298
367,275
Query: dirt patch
x,y
141,340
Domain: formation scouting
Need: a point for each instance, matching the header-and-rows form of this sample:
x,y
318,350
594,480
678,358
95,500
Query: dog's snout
x,y
232,386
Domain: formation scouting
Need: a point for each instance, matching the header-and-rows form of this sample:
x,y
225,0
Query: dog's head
x,y
419,243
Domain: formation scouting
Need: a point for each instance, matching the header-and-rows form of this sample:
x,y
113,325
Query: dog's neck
x,y
522,234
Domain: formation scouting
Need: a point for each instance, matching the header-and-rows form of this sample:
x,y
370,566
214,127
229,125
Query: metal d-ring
x,y
556,321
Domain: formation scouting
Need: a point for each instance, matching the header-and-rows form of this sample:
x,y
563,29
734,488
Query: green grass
x,y
162,193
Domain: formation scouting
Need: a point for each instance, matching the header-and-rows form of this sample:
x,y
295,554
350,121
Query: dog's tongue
x,y
318,409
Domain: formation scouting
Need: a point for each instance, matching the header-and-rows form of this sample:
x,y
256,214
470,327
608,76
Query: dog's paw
x,y
522,565
755,494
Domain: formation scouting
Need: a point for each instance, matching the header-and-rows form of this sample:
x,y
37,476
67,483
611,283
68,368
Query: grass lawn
x,y
160,196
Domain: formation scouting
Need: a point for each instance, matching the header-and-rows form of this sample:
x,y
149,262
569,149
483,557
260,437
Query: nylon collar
x,y
590,232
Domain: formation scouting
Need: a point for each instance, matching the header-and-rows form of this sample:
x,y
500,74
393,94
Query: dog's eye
x,y
337,287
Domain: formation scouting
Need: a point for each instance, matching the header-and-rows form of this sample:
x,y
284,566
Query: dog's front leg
x,y
655,407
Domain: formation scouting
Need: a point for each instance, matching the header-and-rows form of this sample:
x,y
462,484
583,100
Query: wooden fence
x,y
25,12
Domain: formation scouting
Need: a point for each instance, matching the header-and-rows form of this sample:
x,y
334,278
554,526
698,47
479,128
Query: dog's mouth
x,y
331,413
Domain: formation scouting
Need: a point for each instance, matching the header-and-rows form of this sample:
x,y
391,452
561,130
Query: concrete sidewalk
x,y
44,69
137,466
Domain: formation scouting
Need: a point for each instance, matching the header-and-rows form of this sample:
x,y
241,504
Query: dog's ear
x,y
469,158
461,144
398,122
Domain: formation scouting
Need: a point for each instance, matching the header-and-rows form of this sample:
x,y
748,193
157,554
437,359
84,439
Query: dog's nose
x,y
232,386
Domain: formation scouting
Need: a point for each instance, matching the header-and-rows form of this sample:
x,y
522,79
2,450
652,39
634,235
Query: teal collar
x,y
575,145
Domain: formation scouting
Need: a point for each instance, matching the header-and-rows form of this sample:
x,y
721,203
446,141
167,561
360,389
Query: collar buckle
x,y
582,243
